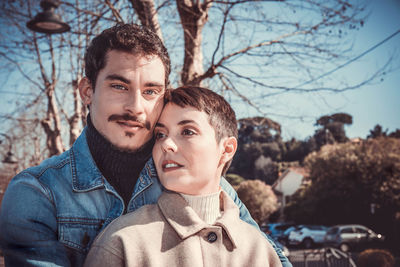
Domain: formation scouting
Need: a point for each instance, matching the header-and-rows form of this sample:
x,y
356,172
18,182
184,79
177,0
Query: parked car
x,y
276,230
284,238
351,237
308,235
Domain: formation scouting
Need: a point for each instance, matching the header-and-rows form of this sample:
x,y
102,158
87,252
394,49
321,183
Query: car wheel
x,y
344,247
308,243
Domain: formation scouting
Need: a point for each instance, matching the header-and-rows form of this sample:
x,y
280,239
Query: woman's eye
x,y
118,87
188,132
159,135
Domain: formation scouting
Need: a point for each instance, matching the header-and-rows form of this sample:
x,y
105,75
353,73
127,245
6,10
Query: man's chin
x,y
127,147
131,145
126,143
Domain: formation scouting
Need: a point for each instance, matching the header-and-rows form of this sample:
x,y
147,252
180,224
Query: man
x,y
51,213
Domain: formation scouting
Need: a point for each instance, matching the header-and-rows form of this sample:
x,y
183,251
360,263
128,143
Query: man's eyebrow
x,y
127,81
118,77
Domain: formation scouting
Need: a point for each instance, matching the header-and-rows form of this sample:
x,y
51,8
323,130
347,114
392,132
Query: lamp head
x,y
47,21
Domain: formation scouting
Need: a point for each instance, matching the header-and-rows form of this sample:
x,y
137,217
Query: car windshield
x,y
361,230
347,230
316,227
332,231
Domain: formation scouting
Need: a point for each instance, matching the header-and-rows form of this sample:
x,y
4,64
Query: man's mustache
x,y
128,117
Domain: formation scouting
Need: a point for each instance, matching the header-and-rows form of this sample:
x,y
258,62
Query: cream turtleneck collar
x,y
206,206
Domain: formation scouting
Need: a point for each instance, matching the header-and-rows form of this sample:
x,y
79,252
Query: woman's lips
x,y
169,165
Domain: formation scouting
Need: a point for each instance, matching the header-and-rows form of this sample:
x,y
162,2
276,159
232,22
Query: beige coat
x,y
171,234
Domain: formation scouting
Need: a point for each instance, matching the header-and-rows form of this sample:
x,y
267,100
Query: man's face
x,y
186,153
128,98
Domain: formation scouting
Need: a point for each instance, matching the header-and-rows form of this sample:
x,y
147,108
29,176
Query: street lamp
x,y
47,21
9,158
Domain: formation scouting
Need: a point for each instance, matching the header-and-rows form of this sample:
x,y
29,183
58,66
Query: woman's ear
x,y
229,149
85,91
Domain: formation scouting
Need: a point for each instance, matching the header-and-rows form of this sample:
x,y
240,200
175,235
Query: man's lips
x,y
130,121
170,165
130,124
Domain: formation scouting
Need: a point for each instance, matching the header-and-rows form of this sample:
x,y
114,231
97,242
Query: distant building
x,y
287,184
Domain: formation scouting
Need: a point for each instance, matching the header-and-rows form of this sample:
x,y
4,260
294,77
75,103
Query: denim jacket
x,y
51,213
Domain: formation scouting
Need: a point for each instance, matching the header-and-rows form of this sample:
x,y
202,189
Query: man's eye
x,y
159,135
188,132
118,87
149,92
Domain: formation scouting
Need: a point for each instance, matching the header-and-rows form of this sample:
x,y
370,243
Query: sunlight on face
x,y
128,98
186,153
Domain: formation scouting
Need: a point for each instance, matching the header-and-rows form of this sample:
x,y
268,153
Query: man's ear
x,y
85,91
229,146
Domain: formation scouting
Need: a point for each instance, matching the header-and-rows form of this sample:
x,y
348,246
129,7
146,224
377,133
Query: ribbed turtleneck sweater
x,y
206,206
120,168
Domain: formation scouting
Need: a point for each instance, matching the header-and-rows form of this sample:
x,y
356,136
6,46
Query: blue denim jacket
x,y
51,213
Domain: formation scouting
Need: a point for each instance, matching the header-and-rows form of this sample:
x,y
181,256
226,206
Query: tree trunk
x,y
193,15
147,13
53,134
76,118
54,141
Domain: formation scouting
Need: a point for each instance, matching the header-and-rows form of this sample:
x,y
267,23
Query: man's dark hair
x,y
129,38
221,116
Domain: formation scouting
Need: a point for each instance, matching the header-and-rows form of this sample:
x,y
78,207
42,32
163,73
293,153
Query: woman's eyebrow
x,y
183,122
159,124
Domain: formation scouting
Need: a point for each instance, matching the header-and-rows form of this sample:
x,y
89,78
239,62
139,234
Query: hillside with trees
x,y
262,154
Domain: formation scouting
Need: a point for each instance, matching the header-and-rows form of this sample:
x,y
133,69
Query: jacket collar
x,y
184,220
85,174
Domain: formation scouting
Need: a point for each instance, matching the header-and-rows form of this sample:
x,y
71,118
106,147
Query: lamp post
x,y
47,21
9,158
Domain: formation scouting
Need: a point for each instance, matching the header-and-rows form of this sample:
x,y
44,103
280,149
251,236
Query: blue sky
x,y
377,103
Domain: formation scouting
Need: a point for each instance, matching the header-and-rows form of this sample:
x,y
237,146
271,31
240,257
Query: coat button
x,y
212,237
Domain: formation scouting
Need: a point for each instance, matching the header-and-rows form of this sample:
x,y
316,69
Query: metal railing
x,y
324,257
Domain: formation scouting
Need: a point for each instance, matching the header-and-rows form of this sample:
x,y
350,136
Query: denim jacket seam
x,y
141,191
44,169
72,167
80,220
46,191
76,185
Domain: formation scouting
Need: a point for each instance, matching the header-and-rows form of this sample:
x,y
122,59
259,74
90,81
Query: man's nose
x,y
134,102
168,145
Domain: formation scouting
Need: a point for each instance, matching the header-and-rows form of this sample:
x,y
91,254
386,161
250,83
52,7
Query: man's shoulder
x,y
60,165
44,176
57,168
53,163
